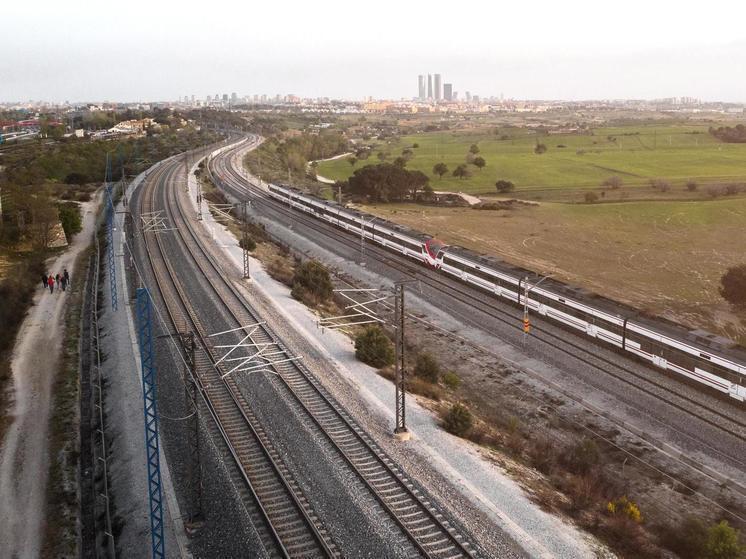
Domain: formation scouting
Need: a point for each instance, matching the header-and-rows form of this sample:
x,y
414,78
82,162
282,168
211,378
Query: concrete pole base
x,y
403,436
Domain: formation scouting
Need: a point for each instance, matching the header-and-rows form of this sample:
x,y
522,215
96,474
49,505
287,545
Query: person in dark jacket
x,y
50,283
66,276
44,281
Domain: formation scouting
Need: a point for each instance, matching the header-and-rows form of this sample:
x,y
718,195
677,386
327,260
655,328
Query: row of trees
x,y
731,134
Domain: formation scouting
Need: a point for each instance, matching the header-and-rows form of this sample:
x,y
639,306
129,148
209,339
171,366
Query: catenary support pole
x,y
150,410
110,235
400,430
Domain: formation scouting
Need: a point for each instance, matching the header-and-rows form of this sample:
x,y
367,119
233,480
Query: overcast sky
x,y
159,50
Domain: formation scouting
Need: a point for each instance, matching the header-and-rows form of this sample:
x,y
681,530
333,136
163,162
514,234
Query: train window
x,y
704,356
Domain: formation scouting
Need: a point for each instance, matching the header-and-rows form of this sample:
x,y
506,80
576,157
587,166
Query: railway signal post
x,y
526,321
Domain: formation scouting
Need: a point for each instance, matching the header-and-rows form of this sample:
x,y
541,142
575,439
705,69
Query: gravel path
x,y
24,459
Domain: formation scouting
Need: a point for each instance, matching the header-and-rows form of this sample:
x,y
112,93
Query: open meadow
x,y
663,257
574,163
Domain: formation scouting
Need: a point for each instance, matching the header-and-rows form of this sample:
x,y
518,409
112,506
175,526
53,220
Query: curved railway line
x,y
292,526
731,424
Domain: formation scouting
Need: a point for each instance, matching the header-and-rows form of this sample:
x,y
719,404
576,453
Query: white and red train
x,y
703,357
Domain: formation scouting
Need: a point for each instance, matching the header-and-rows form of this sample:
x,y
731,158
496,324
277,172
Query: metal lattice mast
x,y
110,235
401,387
150,409
245,243
194,470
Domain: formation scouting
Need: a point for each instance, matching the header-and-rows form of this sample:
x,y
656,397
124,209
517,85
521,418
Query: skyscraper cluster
x,y
433,89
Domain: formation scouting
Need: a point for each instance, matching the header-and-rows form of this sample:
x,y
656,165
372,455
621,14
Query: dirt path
x,y
24,460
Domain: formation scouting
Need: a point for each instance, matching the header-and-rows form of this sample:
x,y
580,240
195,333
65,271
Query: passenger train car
x,y
700,356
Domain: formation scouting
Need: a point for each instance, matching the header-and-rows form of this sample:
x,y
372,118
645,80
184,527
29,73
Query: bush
x,y
687,539
458,421
540,148
76,178
249,244
504,186
69,213
691,186
613,182
373,347
660,184
311,278
624,507
733,285
427,368
451,380
581,457
590,197
722,542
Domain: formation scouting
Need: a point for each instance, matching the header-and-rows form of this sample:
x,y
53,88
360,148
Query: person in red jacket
x,y
50,283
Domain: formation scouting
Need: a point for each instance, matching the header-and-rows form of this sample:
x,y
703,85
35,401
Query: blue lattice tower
x,y
150,408
110,235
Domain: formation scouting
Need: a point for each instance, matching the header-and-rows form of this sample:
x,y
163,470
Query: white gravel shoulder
x,y
481,482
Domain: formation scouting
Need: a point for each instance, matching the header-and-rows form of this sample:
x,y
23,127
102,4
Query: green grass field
x,y
635,153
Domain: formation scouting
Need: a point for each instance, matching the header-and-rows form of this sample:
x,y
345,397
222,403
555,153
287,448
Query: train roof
x,y
706,341
702,339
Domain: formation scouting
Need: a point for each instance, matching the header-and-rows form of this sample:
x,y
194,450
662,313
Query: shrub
x,y
590,197
687,538
722,542
427,368
624,507
660,184
733,285
613,182
732,188
458,420
581,457
76,178
540,148
504,186
415,145
313,279
542,452
691,186
249,244
451,380
373,347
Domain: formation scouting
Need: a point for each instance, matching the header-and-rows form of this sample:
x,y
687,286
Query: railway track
x,y
723,421
424,525
283,517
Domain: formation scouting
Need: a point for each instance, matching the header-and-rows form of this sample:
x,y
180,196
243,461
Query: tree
x,y
722,542
415,145
691,185
479,162
407,154
440,169
540,148
70,218
613,182
352,160
461,172
474,148
382,156
386,182
373,347
400,162
504,186
733,285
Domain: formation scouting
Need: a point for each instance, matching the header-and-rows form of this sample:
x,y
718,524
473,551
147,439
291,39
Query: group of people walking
x,y
60,281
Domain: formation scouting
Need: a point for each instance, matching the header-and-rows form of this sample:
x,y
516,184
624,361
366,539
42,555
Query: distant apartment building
x,y
438,89
429,86
421,87
448,91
